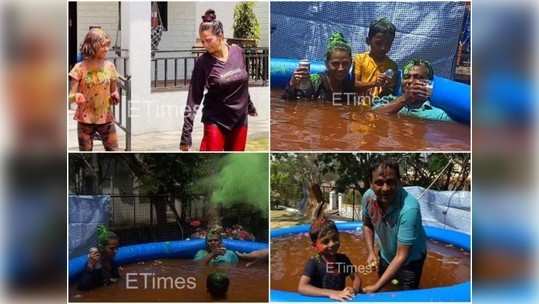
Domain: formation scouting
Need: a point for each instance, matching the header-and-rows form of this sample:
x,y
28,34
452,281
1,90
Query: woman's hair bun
x,y
209,16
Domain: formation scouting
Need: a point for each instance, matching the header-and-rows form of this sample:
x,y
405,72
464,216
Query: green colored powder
x,y
242,178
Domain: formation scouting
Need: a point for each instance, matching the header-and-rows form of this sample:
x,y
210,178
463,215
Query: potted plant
x,y
246,27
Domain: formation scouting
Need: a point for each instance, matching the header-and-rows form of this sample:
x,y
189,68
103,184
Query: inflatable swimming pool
x,y
455,293
158,250
451,96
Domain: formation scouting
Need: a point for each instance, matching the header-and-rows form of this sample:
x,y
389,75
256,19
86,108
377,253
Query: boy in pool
x,y
325,273
371,69
217,285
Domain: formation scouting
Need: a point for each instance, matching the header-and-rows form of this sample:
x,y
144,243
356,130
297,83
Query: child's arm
x,y
305,288
114,94
363,86
380,81
74,95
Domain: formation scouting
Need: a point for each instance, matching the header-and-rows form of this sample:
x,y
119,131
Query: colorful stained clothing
x,y
366,69
400,223
330,276
321,89
106,131
227,102
228,258
95,85
423,111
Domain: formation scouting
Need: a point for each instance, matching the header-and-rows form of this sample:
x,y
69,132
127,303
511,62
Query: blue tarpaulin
x,y
85,213
427,30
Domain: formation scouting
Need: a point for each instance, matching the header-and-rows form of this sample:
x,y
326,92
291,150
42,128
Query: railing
x,y
162,62
122,116
257,63
172,68
350,211
134,218
122,113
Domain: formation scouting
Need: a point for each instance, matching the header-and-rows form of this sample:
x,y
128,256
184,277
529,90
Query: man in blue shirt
x,y
215,253
395,217
415,100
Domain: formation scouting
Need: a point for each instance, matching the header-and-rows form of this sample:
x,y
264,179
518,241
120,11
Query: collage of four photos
x,y
266,151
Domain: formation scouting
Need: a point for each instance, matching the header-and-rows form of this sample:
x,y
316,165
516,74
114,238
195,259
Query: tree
x,y
245,22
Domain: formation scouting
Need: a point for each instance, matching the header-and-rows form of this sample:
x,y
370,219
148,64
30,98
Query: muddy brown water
x,y
247,284
445,265
316,126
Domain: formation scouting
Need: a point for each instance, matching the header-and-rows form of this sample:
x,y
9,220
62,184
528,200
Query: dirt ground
x,y
283,218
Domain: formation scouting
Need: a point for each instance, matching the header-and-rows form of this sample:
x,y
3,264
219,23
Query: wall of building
x,y
183,21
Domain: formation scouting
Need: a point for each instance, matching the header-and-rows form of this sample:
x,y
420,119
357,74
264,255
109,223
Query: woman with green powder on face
x,y
334,84
101,269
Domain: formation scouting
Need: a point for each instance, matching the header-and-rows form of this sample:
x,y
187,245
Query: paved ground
x,y
164,133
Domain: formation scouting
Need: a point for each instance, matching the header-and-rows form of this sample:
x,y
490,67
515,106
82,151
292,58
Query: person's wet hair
x,y
418,62
382,25
322,227
210,22
104,236
337,42
217,284
385,163
94,39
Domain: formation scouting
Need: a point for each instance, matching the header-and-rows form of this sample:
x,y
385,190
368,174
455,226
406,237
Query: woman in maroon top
x,y
221,71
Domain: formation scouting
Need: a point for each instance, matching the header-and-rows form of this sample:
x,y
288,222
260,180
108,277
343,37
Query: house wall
x,y
183,22
104,14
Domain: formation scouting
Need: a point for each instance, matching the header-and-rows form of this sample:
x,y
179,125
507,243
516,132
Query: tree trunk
x,y
449,173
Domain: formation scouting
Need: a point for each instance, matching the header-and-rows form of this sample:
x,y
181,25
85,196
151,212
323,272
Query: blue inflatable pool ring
x,y
455,293
451,96
160,250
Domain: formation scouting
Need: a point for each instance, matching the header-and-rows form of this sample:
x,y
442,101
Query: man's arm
x,y
393,107
414,92
356,284
368,232
205,257
402,254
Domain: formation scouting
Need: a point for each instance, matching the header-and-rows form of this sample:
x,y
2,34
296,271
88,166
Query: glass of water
x,y
429,84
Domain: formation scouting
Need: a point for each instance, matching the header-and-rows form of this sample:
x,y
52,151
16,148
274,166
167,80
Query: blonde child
x,y
94,89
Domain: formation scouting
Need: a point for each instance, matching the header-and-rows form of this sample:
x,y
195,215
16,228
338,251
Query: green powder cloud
x,y
243,178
